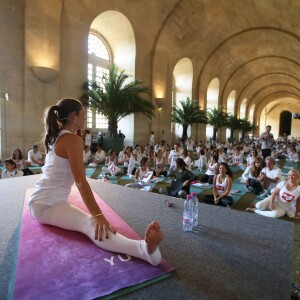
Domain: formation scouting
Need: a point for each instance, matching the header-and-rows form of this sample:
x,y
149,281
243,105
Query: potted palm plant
x,y
246,126
233,122
186,114
117,98
216,118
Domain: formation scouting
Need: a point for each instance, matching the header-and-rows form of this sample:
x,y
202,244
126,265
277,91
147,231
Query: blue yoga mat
x,y
89,172
127,177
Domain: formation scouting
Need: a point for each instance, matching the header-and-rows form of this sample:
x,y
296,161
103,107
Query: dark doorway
x,y
285,123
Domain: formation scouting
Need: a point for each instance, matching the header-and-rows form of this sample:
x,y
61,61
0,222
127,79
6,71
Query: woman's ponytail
x,y
52,126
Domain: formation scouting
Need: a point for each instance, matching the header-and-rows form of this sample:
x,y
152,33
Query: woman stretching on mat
x,y
285,199
48,203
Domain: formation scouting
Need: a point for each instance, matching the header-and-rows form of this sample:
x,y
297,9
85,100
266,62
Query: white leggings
x,y
277,212
70,217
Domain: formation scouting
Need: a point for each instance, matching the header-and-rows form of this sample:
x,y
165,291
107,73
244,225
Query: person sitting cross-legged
x,y
250,176
269,176
142,177
180,186
285,199
222,184
11,170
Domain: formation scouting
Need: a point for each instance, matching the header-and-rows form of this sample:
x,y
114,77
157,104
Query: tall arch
x,y
120,39
230,107
183,82
242,111
212,100
251,114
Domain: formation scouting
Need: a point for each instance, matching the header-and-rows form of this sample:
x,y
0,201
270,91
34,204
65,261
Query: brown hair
x,y
57,115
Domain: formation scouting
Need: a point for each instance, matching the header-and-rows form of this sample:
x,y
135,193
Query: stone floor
x,y
241,205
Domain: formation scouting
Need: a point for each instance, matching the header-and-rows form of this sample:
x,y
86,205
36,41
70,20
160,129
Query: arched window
x,y
243,109
99,59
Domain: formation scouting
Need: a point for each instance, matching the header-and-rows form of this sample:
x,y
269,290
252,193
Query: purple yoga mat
x,y
54,263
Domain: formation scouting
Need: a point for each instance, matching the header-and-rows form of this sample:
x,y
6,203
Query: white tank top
x,y
221,186
56,181
211,169
159,163
142,173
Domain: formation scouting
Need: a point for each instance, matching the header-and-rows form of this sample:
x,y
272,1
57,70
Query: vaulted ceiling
x,y
253,47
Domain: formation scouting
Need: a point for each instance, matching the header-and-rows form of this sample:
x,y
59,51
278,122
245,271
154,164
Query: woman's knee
x,y
182,194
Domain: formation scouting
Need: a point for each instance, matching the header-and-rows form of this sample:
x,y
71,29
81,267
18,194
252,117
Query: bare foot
x,y
153,236
250,209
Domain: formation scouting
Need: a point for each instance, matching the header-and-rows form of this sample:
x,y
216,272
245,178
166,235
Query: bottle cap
x,y
193,194
189,197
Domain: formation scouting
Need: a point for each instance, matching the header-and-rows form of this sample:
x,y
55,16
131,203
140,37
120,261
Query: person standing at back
x,y
152,139
267,140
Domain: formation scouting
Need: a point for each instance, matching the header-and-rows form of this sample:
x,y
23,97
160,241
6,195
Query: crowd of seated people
x,y
260,176
16,165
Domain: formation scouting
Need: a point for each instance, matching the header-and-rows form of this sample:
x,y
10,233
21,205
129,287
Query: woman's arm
x,y
71,146
215,191
137,175
297,215
272,199
245,175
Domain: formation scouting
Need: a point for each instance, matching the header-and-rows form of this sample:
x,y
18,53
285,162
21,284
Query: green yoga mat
x,y
196,190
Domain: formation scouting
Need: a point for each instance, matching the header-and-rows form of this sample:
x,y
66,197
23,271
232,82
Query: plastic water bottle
x,y
196,205
188,211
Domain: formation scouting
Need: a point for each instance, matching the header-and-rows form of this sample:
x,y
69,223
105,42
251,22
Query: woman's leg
x,y
204,178
209,199
226,201
263,204
70,217
277,212
210,179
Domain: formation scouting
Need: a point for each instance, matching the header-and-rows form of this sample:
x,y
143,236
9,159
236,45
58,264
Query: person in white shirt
x,y
252,157
293,155
267,140
285,199
237,159
212,170
190,144
222,155
250,176
100,156
201,163
142,177
187,159
174,154
87,138
86,154
269,176
35,157
152,139
11,170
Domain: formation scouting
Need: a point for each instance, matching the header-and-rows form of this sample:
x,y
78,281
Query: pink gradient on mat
x,y
54,263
